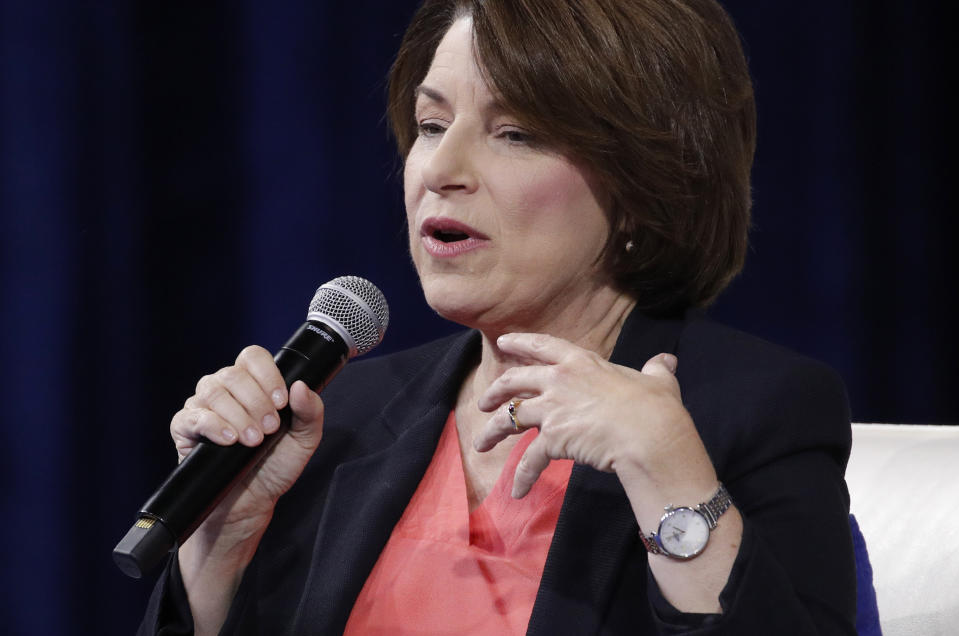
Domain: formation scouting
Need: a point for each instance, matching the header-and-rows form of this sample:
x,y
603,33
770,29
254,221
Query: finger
x,y
525,381
539,347
262,368
662,365
238,399
307,410
191,425
531,465
500,426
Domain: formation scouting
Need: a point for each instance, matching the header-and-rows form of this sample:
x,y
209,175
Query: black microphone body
x,y
314,354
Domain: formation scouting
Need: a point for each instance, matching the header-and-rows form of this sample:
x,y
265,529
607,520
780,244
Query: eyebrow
x,y
495,106
430,93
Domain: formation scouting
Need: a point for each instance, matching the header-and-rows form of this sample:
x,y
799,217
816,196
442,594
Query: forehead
x,y
456,47
456,77
454,59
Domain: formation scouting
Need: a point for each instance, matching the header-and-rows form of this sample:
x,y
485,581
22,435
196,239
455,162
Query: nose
x,y
450,167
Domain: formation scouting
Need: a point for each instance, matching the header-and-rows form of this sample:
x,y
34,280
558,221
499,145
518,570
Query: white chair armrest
x,y
904,487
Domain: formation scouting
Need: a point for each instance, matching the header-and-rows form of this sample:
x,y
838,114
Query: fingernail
x,y
270,423
228,434
251,435
671,362
278,397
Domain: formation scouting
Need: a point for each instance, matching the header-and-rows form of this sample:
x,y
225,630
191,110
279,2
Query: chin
x,y
453,298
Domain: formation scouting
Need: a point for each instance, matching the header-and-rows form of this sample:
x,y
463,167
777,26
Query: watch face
x,y
683,532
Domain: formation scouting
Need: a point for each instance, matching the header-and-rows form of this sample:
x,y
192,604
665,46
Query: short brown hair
x,y
653,96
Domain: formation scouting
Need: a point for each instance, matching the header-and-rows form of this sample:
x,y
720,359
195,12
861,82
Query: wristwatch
x,y
684,532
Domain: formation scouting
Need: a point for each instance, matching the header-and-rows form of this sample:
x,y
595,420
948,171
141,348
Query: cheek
x,y
559,195
413,191
411,184
410,202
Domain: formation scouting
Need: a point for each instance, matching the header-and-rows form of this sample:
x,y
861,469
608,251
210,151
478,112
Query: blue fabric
x,y
867,611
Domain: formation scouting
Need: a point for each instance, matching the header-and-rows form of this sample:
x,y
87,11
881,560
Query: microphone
x,y
347,317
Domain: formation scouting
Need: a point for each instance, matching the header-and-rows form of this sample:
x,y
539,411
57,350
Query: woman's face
x,y
505,232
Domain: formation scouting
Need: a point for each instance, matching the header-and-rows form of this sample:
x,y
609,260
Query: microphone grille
x,y
355,308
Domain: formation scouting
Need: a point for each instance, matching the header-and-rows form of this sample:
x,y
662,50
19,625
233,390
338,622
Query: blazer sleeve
x,y
779,436
168,612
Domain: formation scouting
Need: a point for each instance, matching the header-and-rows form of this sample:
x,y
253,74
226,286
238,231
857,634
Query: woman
x,y
576,184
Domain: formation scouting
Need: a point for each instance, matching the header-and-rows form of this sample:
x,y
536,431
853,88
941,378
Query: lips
x,y
446,238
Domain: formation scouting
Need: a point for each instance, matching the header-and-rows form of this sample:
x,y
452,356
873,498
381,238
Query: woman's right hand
x,y
238,405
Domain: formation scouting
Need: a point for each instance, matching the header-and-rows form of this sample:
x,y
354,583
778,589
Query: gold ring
x,y
513,405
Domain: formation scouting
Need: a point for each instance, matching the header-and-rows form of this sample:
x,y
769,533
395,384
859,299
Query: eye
x,y
516,136
429,129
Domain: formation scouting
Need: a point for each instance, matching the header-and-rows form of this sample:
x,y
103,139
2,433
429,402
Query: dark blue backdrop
x,y
178,177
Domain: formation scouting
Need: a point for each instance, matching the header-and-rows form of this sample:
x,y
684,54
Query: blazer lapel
x,y
367,496
596,529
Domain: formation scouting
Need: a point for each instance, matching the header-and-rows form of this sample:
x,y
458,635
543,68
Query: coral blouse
x,y
447,570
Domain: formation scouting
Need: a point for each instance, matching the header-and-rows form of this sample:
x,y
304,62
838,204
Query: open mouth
x,y
444,237
449,236
446,230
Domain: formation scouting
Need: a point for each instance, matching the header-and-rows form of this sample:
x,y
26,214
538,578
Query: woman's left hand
x,y
613,418
616,419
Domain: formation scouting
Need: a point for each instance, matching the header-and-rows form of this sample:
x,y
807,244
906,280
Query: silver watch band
x,y
651,544
711,510
715,507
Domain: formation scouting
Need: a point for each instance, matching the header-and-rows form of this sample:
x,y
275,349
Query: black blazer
x,y
775,424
